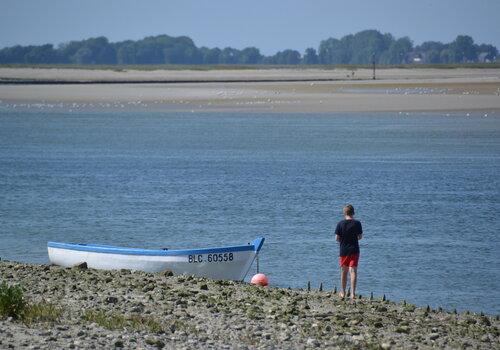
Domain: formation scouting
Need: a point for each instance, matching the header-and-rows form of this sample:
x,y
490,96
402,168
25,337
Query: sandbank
x,y
259,90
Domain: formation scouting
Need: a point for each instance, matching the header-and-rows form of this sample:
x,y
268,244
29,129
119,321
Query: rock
x,y
119,344
152,341
267,335
353,322
485,321
312,342
433,336
148,287
485,338
111,300
81,266
385,346
403,329
166,273
358,337
204,286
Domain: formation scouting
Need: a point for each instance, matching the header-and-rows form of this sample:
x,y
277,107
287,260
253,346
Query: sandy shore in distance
x,y
260,90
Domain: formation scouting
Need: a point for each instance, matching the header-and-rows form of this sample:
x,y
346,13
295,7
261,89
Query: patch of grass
x,y
116,322
12,303
41,312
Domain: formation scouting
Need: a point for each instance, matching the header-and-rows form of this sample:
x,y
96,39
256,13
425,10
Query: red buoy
x,y
260,280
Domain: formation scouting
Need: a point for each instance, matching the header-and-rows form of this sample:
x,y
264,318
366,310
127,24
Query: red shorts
x,y
349,260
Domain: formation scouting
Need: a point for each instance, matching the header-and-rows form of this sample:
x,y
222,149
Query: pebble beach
x,y
82,308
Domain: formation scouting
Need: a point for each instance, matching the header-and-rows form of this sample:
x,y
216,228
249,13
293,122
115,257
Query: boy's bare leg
x,y
343,280
354,277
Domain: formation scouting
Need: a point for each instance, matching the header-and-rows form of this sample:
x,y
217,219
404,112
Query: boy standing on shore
x,y
348,232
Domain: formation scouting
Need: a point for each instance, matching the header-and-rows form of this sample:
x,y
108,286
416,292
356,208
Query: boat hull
x,y
227,263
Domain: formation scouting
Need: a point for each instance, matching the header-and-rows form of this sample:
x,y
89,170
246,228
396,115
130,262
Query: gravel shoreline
x,y
94,309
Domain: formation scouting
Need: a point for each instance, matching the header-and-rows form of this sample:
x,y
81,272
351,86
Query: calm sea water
x,y
426,188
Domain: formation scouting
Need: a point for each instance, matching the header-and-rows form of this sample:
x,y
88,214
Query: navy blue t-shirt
x,y
348,231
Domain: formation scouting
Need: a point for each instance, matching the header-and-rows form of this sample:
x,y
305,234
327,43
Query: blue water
x,y
426,188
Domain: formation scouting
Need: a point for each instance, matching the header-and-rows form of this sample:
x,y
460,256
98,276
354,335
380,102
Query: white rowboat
x,y
224,263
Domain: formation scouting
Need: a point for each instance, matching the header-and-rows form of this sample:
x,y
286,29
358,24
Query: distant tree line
x,y
360,48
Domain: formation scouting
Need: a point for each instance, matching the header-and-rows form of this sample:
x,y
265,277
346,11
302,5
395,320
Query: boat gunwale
x,y
255,245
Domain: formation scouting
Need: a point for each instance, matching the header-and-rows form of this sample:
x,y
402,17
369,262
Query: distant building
x,y
482,57
415,58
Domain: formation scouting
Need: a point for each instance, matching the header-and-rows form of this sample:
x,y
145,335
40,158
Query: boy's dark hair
x,y
348,210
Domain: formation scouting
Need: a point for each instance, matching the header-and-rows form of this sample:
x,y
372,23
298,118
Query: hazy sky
x,y
266,24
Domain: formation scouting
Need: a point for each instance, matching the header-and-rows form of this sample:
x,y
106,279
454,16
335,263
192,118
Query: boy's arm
x,y
337,233
360,234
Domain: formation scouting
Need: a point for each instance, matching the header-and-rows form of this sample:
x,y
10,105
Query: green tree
x,y
68,50
447,56
464,49
369,42
230,55
250,55
432,56
14,54
211,56
430,45
155,50
286,57
310,56
126,52
89,51
398,52
334,51
430,51
356,48
42,54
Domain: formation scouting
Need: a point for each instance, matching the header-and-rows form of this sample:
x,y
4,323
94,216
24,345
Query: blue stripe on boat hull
x,y
256,245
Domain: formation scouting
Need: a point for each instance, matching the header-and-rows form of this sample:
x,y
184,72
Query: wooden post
x,y
373,62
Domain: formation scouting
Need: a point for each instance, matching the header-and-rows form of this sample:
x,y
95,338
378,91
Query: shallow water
x,y
426,188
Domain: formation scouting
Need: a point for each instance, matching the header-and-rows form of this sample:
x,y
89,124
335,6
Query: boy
x,y
348,233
